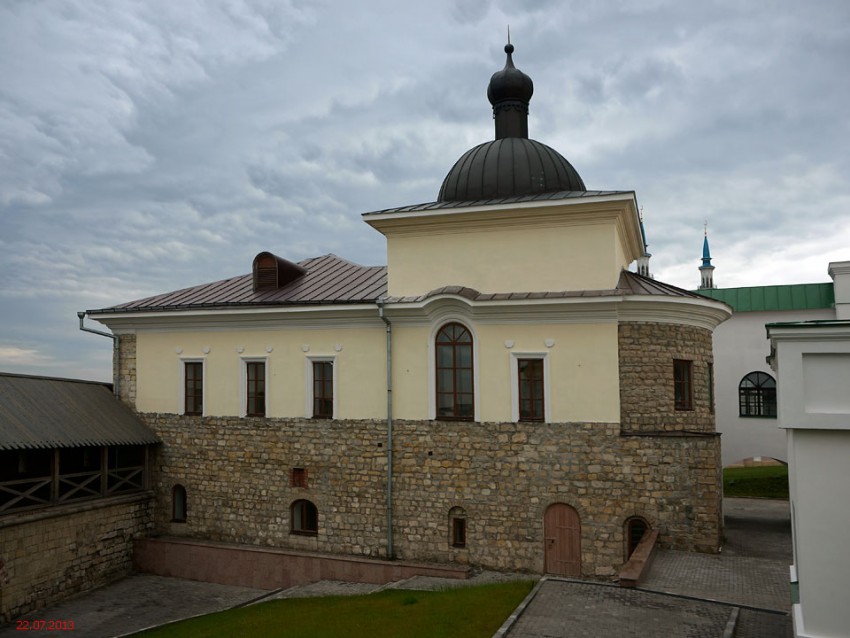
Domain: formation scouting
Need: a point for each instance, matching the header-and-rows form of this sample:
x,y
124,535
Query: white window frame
x,y
308,374
243,383
181,389
432,366
514,363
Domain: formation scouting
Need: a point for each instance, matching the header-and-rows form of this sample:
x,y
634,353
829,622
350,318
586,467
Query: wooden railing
x,y
33,492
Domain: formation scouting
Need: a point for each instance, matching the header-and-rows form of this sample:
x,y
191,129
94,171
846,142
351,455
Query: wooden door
x,y
562,537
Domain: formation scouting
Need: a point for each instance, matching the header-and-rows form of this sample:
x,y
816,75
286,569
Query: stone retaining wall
x,y
271,568
51,554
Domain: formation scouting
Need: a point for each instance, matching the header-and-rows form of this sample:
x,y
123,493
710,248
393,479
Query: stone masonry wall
x,y
124,369
237,476
647,351
51,554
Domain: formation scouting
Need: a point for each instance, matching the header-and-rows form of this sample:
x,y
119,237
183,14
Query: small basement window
x,y
305,518
457,527
178,504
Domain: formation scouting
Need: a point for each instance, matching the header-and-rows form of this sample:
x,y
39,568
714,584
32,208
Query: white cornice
x,y
319,317
700,313
703,313
825,331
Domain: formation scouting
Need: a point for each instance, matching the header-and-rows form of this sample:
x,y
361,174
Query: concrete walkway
x,y
684,595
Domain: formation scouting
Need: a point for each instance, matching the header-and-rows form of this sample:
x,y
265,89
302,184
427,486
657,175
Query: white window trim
x,y
432,366
181,389
308,366
547,403
243,383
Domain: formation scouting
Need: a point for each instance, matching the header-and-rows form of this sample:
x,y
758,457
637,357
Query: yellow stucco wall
x,y
582,365
362,358
513,259
583,370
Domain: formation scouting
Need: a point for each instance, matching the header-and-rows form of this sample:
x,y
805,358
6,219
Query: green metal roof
x,y
763,298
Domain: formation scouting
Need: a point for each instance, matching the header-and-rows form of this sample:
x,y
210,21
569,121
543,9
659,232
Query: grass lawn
x,y
767,481
466,611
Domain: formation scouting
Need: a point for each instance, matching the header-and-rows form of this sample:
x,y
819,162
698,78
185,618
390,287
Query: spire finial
x,y
509,34
705,228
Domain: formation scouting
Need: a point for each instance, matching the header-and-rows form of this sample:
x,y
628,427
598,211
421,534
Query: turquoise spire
x,y
706,271
706,253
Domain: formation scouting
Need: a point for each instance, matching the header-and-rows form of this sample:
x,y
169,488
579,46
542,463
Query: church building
x,y
504,393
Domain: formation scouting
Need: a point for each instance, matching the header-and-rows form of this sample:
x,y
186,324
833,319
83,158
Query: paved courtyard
x,y
685,594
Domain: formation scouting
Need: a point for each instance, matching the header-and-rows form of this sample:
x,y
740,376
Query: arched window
x,y
757,395
455,394
305,518
457,527
178,504
636,527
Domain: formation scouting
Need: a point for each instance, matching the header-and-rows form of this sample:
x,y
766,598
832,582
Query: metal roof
x,y
509,167
775,298
629,284
497,201
45,412
329,280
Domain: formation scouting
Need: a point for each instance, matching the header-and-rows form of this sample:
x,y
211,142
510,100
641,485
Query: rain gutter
x,y
115,377
390,550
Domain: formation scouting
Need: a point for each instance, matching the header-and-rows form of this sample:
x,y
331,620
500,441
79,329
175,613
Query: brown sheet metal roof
x,y
44,412
329,280
629,284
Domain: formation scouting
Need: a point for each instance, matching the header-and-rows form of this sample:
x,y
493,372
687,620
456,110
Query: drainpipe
x,y
115,377
390,551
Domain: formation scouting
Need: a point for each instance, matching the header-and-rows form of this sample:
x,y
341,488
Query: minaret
x,y
706,271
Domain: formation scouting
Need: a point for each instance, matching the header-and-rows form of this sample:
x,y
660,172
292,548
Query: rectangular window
x,y
530,389
255,371
323,389
193,388
710,370
683,387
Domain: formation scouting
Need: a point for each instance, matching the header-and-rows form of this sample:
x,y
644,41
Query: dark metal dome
x,y
512,165
509,167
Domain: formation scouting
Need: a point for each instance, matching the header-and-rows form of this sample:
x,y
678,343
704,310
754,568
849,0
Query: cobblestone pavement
x,y
752,572
592,611
685,594
138,602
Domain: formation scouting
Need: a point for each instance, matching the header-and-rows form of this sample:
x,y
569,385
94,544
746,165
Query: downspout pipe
x,y
115,377
390,550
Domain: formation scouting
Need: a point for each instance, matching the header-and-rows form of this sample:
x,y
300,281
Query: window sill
x,y
303,533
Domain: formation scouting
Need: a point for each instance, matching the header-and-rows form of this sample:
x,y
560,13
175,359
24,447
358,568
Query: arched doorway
x,y
562,538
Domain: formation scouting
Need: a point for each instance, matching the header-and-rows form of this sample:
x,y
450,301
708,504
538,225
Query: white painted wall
x,y
741,347
813,367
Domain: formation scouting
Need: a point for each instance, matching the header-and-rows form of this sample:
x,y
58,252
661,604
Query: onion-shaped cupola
x,y
509,92
512,165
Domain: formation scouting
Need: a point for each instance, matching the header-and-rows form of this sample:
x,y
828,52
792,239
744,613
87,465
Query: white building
x,y
745,387
812,363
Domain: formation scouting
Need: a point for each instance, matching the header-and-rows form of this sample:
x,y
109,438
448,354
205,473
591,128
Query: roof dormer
x,y
272,272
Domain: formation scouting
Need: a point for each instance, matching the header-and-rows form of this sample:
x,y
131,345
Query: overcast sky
x,y
153,145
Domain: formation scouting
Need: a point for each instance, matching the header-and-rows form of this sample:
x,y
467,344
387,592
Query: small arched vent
x,y
272,272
